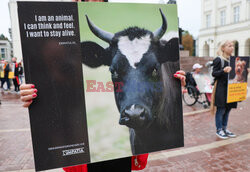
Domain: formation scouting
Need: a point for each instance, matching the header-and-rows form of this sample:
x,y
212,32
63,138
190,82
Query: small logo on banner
x,y
73,151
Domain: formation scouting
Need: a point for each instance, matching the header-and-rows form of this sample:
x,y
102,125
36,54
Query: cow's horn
x,y
104,35
160,32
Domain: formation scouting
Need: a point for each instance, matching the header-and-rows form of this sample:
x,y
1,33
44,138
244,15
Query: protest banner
x,y
104,74
237,82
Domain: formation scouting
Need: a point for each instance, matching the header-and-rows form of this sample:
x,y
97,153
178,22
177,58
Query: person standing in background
x,y
6,68
1,74
20,72
1,71
221,70
16,78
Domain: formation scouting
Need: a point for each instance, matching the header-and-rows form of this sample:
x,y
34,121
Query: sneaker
x,y
221,134
229,133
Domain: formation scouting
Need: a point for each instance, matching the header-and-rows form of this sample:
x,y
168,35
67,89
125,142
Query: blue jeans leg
x,y
219,117
8,83
225,118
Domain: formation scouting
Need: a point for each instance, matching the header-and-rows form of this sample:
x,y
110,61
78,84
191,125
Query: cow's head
x,y
134,57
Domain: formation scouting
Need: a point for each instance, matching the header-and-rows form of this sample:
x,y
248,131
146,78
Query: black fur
x,y
148,87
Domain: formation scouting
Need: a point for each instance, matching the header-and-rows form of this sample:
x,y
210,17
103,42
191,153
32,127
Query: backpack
x,y
190,80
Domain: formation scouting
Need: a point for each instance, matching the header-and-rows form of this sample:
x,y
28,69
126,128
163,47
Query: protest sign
x,y
237,83
104,74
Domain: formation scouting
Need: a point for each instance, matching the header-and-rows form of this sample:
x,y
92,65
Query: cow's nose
x,y
132,113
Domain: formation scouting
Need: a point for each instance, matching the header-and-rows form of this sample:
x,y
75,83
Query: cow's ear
x,y
168,50
93,55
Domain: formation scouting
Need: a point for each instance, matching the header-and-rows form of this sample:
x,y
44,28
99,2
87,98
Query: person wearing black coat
x,y
16,78
6,75
220,72
20,73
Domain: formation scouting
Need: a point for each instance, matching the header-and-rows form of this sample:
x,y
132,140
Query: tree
x,y
2,37
188,42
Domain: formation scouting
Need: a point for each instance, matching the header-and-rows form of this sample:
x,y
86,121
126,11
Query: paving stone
x,y
199,129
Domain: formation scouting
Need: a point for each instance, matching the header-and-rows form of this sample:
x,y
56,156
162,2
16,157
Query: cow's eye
x,y
113,73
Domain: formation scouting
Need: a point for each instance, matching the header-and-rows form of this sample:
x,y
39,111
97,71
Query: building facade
x,y
5,50
224,20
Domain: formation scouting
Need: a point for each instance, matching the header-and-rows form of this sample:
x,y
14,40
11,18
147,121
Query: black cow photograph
x,y
129,54
105,79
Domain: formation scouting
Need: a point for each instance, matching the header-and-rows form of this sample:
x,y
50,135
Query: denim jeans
x,y
221,117
5,80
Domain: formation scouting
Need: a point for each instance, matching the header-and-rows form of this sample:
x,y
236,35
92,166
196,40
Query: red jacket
x,y
138,162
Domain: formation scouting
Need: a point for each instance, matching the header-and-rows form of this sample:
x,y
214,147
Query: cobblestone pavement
x,y
203,151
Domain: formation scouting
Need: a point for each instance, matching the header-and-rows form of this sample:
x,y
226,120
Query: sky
x,y
4,17
188,11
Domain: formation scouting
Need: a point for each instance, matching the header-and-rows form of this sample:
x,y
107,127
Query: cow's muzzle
x,y
134,116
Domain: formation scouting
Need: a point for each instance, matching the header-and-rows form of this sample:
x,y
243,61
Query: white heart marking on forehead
x,y
134,50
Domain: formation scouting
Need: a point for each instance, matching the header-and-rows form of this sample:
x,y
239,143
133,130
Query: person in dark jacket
x,y
6,75
20,73
220,72
16,78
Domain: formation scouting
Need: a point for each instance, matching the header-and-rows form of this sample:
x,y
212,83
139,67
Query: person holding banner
x,y
221,70
28,92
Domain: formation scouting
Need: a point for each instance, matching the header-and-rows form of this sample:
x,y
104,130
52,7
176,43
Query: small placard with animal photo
x,y
237,82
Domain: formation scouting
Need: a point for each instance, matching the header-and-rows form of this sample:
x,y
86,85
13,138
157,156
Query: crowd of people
x,y
11,71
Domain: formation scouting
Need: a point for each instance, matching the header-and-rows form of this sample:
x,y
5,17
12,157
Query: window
x,y
208,20
236,14
2,53
222,18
